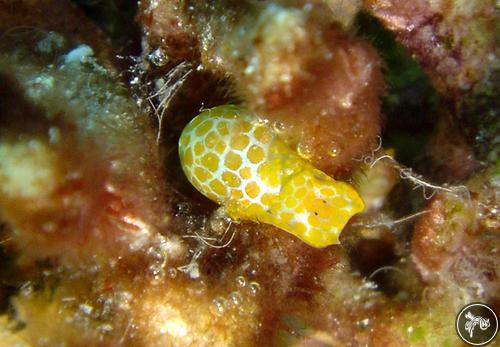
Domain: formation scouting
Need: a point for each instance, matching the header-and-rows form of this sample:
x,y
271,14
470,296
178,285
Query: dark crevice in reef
x,y
16,112
410,103
117,19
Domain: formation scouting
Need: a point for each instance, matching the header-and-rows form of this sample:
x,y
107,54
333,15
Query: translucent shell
x,y
236,160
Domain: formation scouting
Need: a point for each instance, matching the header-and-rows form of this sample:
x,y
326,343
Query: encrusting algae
x,y
236,159
105,242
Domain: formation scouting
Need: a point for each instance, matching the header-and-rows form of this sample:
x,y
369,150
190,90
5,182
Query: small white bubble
x,y
106,328
156,271
241,281
85,308
172,272
49,227
254,288
158,57
333,152
235,298
278,126
304,150
364,323
218,306
54,135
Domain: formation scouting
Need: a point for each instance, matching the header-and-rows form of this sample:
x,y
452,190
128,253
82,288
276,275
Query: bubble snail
x,y
237,160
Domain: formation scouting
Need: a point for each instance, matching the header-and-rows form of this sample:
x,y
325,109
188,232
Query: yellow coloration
x,y
237,160
231,179
203,128
232,161
300,228
255,210
262,134
246,173
188,159
211,139
252,189
270,174
201,174
267,199
218,188
313,221
220,147
255,154
236,194
290,202
286,217
210,161
239,142
198,148
222,129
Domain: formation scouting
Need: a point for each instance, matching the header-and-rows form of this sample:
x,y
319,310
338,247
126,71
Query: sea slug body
x,y
235,159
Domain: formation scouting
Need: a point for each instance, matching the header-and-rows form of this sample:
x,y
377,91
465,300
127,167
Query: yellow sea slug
x,y
237,160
